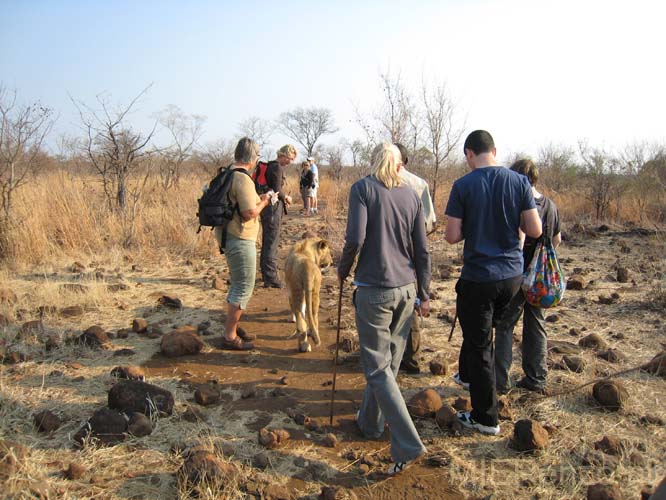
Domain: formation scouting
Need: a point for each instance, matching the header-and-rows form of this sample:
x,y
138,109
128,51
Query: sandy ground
x,y
73,382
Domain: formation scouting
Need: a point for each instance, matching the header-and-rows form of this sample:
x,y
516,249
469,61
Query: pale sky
x,y
530,72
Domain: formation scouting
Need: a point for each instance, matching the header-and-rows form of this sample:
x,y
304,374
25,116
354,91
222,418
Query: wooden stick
x,y
453,326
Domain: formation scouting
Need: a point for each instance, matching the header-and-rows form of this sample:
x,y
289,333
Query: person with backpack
x,y
314,202
271,218
534,344
486,208
239,243
386,229
307,186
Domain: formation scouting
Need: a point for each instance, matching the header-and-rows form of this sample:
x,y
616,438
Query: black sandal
x,y
236,344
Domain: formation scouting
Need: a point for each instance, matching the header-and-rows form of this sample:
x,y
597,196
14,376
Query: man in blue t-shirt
x,y
486,209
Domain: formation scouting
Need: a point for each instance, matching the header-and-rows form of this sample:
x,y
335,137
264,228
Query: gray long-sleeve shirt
x,y
387,229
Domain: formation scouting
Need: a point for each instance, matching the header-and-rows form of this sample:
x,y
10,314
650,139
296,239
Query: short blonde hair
x,y
287,150
385,161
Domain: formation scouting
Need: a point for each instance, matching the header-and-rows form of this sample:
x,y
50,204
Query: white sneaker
x,y
465,418
397,468
458,380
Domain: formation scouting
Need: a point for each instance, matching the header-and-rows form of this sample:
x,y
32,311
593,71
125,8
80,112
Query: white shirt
x,y
421,187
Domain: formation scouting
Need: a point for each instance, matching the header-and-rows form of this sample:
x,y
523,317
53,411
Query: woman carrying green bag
x,y
534,345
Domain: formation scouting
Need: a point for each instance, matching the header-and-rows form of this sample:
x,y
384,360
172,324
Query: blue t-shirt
x,y
489,201
315,171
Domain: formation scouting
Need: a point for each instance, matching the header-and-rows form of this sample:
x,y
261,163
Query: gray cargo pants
x,y
383,319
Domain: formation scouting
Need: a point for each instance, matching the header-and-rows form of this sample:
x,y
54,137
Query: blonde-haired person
x,y
386,228
271,217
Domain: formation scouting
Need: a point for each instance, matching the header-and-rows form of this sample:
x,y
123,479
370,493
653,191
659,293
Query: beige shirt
x,y
242,192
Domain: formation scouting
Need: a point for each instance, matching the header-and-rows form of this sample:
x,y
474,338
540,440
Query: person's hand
x,y
424,308
265,197
287,200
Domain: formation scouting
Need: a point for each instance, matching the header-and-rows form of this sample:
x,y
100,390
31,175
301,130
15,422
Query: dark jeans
x,y
271,219
480,307
534,346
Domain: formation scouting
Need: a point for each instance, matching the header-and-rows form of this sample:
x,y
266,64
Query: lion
x,y
303,279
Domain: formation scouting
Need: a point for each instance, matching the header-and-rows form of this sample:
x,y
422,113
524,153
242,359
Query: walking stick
x,y
453,326
337,347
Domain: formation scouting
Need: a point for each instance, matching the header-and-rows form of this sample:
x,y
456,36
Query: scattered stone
x,y
576,282
284,380
261,461
193,414
75,471
47,421
612,355
622,275
575,364
129,373
330,440
218,283
657,365
124,352
170,301
446,418
439,367
563,347
301,418
610,445
462,404
504,408
71,311
529,435
249,392
424,403
593,341
652,420
140,425
273,439
123,333
206,395
140,397
95,336
552,318
139,325
154,332
181,342
106,425
202,467
603,492
610,394
313,426
606,300
574,332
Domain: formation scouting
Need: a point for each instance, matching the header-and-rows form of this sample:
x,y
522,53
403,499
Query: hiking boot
x,y
466,419
524,384
459,381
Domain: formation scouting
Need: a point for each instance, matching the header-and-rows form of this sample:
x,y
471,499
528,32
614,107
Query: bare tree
x,y
113,148
23,129
259,130
334,156
443,132
185,131
216,155
601,170
558,166
395,112
307,125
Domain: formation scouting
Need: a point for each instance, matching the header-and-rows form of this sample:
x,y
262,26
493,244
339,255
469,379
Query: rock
x,y
203,326
207,395
140,425
552,318
140,397
622,275
261,461
610,445
154,332
563,347
504,408
301,418
7,296
47,421
439,367
652,420
610,394
139,325
192,414
284,380
529,435
75,471
274,491
313,426
202,467
603,492
170,301
129,373
606,300
106,425
124,352
424,403
123,333
657,365
249,392
576,282
462,404
611,355
593,341
575,364
330,440
95,336
446,417
71,311
273,439
218,283
181,343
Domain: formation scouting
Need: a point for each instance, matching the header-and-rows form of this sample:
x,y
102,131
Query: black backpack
x,y
215,207
307,179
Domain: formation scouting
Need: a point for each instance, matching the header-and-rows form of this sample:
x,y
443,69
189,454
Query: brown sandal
x,y
248,337
236,344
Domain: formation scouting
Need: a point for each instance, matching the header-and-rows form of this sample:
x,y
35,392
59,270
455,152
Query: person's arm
x,y
421,259
557,239
253,213
453,232
357,220
530,223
